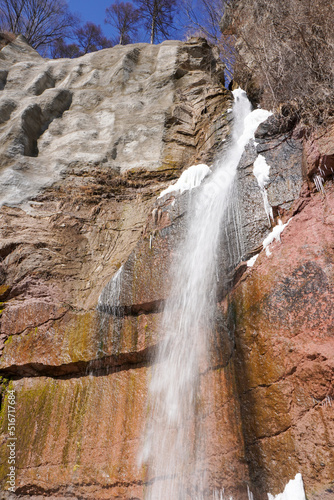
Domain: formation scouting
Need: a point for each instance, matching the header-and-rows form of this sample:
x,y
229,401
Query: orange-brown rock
x,y
284,356
74,435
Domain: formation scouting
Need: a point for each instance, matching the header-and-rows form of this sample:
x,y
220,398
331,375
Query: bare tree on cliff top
x,y
204,17
60,48
90,38
40,21
124,17
157,16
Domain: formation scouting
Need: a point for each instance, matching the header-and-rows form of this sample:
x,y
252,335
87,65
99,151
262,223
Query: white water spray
x,y
174,448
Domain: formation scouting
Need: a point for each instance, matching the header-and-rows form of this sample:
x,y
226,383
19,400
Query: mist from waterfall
x,y
174,447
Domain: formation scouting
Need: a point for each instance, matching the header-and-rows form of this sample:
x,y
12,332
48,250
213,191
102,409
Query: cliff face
x,y
87,146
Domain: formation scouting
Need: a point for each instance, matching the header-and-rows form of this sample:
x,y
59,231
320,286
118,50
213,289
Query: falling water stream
x,y
174,447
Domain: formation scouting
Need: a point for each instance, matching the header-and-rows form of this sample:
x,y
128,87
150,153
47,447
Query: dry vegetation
x,y
6,38
285,51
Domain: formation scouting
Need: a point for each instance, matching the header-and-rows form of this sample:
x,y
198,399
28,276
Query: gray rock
x,y
283,154
127,108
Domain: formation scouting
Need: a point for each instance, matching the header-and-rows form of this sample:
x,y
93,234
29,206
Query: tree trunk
x,y
153,25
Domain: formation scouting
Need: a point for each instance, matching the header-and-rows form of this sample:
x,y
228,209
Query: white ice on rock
x,y
190,178
261,171
274,235
252,121
294,490
252,260
194,175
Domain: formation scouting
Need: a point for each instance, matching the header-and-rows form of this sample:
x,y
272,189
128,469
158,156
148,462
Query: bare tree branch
x,y
40,21
288,47
124,17
204,17
157,16
90,38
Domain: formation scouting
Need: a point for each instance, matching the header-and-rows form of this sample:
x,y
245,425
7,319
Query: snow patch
x,y
274,235
294,490
251,261
251,123
190,178
261,171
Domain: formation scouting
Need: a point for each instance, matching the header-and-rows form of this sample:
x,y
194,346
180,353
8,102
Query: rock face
x,y
283,154
284,354
87,146
138,106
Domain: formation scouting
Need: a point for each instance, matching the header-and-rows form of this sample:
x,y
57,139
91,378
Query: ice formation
x,y
294,490
190,178
252,121
251,261
274,235
261,171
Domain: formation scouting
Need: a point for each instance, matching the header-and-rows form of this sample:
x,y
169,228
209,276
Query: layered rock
x,y
137,106
270,381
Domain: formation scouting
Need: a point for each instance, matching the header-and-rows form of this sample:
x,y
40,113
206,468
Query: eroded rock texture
x,y
87,146
137,106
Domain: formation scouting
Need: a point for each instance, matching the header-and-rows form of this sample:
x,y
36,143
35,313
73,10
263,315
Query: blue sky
x,y
94,10
91,11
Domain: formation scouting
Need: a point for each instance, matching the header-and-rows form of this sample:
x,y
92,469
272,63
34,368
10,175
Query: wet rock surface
x,y
283,153
87,146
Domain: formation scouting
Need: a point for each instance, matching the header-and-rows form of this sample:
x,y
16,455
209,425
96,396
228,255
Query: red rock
x,y
284,358
319,154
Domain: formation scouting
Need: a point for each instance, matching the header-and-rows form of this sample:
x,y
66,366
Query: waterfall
x,y
174,447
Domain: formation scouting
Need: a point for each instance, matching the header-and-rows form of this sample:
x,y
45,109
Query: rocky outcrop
x,y
138,106
275,370
283,153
